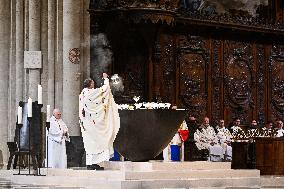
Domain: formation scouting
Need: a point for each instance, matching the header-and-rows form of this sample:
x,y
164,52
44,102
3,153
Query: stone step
x,y
272,181
142,175
164,165
193,183
191,174
93,183
61,181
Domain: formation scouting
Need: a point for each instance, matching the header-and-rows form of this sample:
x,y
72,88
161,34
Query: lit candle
x,y
48,113
30,107
20,115
39,94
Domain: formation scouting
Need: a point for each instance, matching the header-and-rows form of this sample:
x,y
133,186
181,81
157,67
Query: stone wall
x,y
38,25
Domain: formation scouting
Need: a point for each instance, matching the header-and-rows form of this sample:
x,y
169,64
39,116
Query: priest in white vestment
x,y
57,135
99,121
206,138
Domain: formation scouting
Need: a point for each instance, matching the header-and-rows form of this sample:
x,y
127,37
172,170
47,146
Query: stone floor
x,y
144,175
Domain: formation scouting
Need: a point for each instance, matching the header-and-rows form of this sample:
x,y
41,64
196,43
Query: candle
x,y
48,113
30,107
20,115
39,94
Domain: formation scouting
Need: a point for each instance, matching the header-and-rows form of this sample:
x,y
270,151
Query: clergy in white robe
x,y
57,135
280,130
206,138
99,121
225,137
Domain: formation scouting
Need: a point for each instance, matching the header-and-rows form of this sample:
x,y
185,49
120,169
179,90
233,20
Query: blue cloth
x,y
175,152
116,156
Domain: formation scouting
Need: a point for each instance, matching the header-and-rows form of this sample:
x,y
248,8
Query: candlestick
x,y
48,113
20,115
39,94
30,107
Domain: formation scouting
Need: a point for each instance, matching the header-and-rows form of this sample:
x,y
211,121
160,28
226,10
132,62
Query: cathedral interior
x,y
216,58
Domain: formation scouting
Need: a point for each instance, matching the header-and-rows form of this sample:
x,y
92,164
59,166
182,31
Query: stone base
x,y
144,175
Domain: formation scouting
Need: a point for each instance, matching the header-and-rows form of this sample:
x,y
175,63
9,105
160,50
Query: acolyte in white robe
x,y
57,157
99,121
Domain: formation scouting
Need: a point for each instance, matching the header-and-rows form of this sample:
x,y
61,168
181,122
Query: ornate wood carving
x,y
131,58
276,68
108,4
244,81
138,10
168,69
216,82
157,55
193,58
239,79
230,21
261,84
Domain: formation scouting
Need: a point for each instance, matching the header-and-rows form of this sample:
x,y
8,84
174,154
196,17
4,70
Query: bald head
x,y
57,113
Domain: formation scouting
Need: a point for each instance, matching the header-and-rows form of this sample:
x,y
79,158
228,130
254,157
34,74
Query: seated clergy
x,y
253,124
57,135
206,138
224,137
236,127
279,128
267,129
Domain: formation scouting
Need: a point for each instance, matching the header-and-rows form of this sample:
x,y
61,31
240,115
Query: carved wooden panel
x,y
217,108
130,62
168,69
276,69
261,82
193,59
208,75
239,80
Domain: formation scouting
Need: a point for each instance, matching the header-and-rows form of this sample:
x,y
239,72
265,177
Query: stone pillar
x,y
34,44
85,54
4,71
19,50
51,51
59,60
12,113
26,47
71,66
44,51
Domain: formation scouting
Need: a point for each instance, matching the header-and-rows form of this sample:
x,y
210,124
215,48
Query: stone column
x,y
71,70
19,50
34,44
85,54
12,113
4,71
44,51
51,51
58,67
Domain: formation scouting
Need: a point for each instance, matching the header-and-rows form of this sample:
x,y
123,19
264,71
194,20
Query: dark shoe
x,y
97,167
90,167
